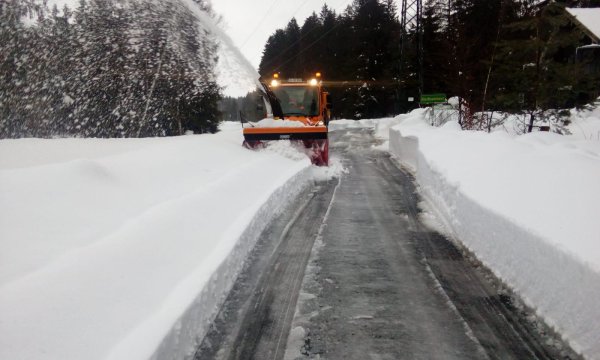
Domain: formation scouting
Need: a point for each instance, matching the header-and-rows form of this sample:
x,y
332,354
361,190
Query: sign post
x,y
432,99
428,99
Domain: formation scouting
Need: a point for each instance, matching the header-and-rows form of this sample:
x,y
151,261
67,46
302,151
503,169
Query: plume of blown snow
x,y
234,71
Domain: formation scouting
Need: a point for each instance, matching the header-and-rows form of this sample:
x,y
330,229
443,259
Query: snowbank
x,y
585,124
527,206
124,249
381,127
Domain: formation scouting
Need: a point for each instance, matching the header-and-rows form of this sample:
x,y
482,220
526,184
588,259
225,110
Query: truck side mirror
x,y
260,107
328,104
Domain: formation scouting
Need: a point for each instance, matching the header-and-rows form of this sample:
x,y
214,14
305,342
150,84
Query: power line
x,y
412,17
259,23
298,8
265,17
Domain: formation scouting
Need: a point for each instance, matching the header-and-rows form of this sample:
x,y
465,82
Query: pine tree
x,y
312,50
435,49
377,31
361,44
536,74
273,53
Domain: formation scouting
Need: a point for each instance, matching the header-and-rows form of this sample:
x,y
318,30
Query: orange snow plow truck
x,y
297,110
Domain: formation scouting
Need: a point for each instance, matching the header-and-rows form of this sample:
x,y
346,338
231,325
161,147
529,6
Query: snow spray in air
x,y
246,76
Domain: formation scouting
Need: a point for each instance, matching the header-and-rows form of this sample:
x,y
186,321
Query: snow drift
x,y
125,248
526,206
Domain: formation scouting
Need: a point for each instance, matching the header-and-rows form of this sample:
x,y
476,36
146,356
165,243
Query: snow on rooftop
x,y
588,17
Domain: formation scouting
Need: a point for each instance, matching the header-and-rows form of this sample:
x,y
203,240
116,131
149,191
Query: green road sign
x,y
433,98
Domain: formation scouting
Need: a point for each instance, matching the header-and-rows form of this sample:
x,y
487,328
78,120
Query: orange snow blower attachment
x,y
299,111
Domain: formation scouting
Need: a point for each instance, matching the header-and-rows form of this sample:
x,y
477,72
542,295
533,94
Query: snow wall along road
x,y
549,257
126,248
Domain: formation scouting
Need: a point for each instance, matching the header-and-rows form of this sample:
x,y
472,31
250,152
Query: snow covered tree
x,y
109,68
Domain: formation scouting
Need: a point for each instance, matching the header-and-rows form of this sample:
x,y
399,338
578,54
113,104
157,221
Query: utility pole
x,y
411,20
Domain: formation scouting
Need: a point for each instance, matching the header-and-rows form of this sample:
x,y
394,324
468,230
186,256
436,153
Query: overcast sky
x,y
250,22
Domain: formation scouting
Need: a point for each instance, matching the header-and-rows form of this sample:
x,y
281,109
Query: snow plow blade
x,y
285,133
313,138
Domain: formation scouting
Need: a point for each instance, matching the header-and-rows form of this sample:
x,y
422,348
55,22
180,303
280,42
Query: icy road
x,y
351,272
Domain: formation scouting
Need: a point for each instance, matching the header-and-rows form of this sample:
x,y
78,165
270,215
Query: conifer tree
x,y
472,49
537,74
107,68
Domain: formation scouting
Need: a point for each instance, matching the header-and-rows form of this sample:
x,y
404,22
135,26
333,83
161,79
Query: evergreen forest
x,y
108,68
495,55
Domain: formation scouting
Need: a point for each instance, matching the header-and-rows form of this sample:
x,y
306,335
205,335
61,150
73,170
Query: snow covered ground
x,y
526,205
124,248
586,124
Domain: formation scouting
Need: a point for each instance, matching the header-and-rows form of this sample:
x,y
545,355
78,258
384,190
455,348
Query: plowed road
x,y
370,281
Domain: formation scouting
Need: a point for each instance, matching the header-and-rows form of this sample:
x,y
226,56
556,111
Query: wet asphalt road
x,y
379,285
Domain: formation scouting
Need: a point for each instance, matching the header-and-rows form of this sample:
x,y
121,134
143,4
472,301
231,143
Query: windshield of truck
x,y
298,100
